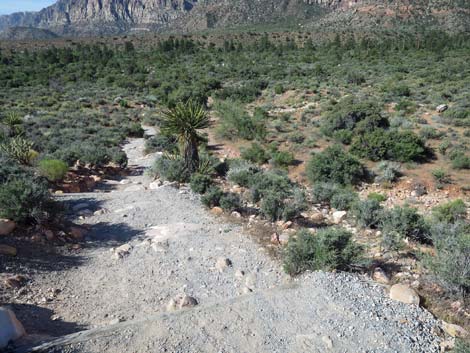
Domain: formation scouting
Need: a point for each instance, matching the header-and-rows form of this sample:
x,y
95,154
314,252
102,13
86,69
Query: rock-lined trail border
x,y
158,273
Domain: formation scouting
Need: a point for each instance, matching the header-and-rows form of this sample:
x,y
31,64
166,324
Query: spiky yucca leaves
x,y
14,123
184,121
19,149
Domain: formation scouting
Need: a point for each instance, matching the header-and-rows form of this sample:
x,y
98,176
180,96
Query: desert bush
x,y
334,165
230,202
242,172
349,113
451,265
329,249
255,153
171,168
52,169
200,182
337,196
282,159
10,169
161,143
450,212
461,346
376,196
268,182
402,146
459,159
212,197
441,176
135,130
387,172
368,213
235,122
429,132
392,240
25,200
406,221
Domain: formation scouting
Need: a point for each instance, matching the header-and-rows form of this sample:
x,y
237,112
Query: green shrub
x,y
53,169
282,159
368,213
135,130
450,212
429,132
170,168
450,264
377,197
459,159
344,199
335,165
461,346
25,200
323,192
200,183
161,143
265,183
10,169
392,240
402,146
441,176
212,197
387,172
255,153
242,172
230,202
407,222
278,89
330,249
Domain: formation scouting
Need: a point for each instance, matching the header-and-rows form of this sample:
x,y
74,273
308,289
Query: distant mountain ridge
x,y
108,17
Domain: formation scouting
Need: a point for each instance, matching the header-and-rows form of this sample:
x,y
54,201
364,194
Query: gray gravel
x,y
248,306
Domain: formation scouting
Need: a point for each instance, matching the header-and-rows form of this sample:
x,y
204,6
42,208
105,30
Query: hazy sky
x,y
9,6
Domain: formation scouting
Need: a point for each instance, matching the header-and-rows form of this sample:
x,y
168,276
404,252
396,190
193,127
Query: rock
x,y
239,274
15,282
236,214
122,251
6,226
181,302
7,250
380,276
246,290
155,185
222,264
339,216
11,327
442,108
85,213
275,239
78,233
317,218
447,346
188,302
404,294
217,211
125,182
328,342
50,236
287,225
134,188
80,206
284,238
454,330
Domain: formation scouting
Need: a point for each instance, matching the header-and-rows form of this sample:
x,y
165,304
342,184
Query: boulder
x,y
154,185
317,218
339,216
454,330
404,294
442,108
11,328
380,276
7,250
122,251
217,211
6,226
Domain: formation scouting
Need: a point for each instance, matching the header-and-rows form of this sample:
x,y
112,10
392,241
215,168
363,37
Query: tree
x,y
184,121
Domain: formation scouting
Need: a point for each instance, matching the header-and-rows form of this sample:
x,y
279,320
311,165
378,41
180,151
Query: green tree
x,y
184,121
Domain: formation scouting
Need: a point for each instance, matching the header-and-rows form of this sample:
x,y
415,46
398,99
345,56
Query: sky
x,y
10,6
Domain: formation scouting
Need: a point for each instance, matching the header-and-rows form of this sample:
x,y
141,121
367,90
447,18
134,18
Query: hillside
x,y
109,17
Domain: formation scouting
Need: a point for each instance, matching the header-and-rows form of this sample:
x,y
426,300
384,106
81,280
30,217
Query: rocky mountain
x,y
106,17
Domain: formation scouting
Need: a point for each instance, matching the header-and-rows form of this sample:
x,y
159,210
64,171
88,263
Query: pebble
x,y
222,264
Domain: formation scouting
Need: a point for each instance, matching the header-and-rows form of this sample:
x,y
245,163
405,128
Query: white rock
x,y
6,226
404,294
122,250
11,328
236,214
339,216
441,108
154,185
222,264
380,276
134,188
125,182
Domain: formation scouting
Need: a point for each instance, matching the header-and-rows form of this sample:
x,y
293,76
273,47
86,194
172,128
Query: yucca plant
x,y
14,124
184,121
19,149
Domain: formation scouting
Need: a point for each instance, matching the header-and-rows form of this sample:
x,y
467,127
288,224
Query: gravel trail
x,y
148,246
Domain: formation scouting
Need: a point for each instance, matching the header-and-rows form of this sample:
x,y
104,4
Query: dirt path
x,y
149,246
